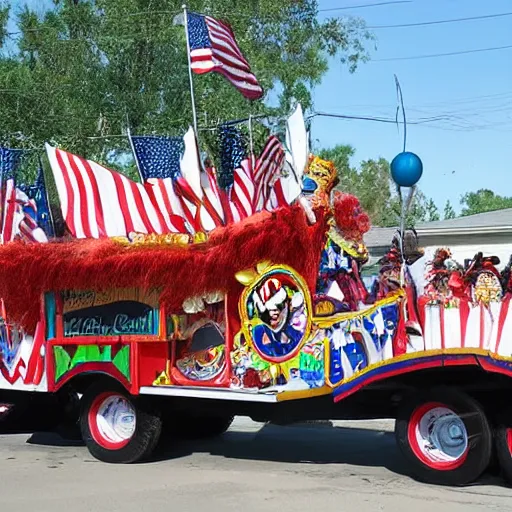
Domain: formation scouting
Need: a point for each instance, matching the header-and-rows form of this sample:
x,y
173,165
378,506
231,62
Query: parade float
x,y
172,305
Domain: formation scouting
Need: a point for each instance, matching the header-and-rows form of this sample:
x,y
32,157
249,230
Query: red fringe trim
x,y
283,237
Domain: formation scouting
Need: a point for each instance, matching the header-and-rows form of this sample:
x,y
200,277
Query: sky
x,y
471,146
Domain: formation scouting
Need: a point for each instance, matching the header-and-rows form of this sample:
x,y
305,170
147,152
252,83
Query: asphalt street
x,y
342,467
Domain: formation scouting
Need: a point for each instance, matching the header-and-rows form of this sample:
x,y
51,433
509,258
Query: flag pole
x,y
251,142
194,113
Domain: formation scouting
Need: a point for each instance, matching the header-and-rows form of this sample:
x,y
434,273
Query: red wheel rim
x,y
424,438
111,420
509,440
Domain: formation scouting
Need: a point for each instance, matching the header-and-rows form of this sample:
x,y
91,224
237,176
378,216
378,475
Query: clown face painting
x,y
279,318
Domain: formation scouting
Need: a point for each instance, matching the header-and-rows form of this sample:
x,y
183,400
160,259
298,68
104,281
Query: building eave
x,y
470,230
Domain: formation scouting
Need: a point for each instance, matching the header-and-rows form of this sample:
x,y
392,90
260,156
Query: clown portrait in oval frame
x,y
277,314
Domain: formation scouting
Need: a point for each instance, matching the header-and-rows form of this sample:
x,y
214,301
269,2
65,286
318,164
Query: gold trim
x,y
329,321
421,355
284,396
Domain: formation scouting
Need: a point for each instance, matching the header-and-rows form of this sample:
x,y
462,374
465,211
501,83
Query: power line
x,y
438,22
375,4
433,55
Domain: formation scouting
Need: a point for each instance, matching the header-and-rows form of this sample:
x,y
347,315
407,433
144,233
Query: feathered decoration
x,y
180,271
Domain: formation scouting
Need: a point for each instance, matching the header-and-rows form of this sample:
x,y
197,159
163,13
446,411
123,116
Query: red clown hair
x,y
350,218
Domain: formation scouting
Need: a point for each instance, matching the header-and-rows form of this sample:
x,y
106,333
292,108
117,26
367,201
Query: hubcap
x,y
440,436
115,420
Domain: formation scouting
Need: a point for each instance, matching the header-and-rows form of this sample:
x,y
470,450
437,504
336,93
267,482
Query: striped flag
x,y
27,215
39,198
158,159
213,47
267,169
188,198
242,192
19,213
97,202
9,162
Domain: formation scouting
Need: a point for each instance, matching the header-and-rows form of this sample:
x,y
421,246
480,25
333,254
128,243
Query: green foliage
x,y
85,67
431,211
449,212
483,200
4,16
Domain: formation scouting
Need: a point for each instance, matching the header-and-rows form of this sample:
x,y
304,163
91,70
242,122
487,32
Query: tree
x,y
85,67
449,212
483,201
340,155
431,211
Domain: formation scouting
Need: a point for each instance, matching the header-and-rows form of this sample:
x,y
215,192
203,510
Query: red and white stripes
x,y
97,202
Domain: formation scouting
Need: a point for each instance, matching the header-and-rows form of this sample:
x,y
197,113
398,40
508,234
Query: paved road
x,y
349,467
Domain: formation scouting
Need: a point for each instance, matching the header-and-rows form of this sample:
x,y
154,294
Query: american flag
x,y
97,202
158,157
242,193
187,197
37,193
27,212
267,169
233,150
213,47
19,213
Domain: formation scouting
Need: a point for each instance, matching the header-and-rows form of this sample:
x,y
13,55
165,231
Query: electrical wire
x,y
439,22
449,54
375,4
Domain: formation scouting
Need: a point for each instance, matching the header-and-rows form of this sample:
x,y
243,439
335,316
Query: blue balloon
x,y
406,169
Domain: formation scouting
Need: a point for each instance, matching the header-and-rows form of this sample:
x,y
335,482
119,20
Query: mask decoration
x,y
318,182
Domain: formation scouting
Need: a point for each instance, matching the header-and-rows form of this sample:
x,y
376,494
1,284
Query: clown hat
x,y
270,295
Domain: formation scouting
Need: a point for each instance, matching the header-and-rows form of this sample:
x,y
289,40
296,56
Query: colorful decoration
x,y
203,365
272,304
275,311
27,271
68,357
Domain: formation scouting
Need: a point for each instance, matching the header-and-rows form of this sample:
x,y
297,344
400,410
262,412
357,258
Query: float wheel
x,y
117,427
445,436
503,442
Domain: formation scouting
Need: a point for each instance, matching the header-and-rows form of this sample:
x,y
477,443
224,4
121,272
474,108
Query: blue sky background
x,y
474,89
471,147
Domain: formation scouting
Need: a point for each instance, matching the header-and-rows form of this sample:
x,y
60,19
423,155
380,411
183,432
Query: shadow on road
x,y
308,444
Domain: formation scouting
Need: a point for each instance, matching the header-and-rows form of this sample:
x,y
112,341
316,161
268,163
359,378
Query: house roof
x,y
379,237
496,219
499,221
